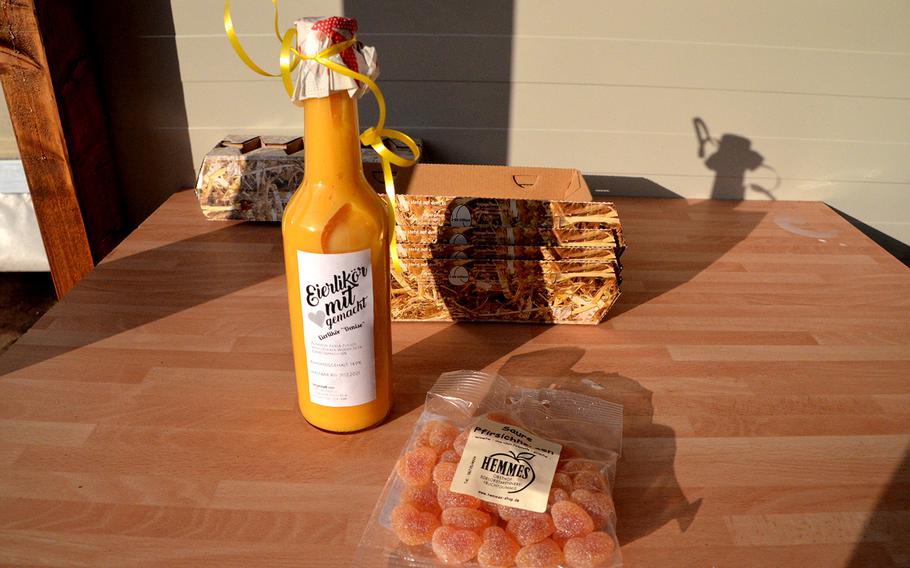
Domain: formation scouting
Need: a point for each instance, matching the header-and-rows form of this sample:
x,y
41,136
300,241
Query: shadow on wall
x,y
445,71
140,77
647,493
731,160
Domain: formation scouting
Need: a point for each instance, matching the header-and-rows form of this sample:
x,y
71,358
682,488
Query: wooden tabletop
x,y
761,350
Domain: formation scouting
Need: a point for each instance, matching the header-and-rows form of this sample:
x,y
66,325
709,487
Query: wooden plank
x,y
83,116
30,97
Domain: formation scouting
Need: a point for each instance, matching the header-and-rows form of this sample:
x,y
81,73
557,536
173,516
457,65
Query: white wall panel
x,y
820,88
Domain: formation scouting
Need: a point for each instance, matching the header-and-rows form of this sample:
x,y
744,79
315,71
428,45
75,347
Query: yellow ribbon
x,y
289,57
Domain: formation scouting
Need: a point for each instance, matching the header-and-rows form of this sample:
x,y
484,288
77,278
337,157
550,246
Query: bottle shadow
x,y
688,237
646,493
667,251
732,159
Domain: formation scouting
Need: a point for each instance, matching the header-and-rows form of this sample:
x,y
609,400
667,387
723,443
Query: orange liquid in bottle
x,y
336,251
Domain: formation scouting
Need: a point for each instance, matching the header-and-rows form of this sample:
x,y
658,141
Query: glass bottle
x,y
336,251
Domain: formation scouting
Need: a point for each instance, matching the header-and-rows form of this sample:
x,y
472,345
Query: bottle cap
x,y
315,80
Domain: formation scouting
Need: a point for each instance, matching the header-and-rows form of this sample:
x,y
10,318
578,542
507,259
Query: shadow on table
x,y
688,238
647,493
885,537
156,284
455,346
672,253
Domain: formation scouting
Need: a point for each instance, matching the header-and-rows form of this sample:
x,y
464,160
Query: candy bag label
x,y
506,465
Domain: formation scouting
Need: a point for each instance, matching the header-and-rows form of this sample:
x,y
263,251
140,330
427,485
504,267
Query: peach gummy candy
x,y
443,473
412,526
422,497
447,499
507,513
590,480
570,519
498,549
490,507
460,441
598,505
416,466
562,480
455,546
449,456
466,518
557,494
544,554
560,538
437,435
530,528
590,551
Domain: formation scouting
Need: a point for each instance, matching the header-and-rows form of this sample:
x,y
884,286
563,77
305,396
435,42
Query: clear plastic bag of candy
x,y
496,475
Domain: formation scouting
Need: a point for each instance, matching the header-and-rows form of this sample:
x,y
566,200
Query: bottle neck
x,y
331,140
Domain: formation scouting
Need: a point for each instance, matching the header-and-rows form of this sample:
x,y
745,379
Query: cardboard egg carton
x,y
252,178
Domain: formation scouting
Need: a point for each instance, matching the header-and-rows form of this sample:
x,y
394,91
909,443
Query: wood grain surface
x,y
761,350
35,116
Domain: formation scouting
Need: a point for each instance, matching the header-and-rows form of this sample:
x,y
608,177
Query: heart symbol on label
x,y
317,317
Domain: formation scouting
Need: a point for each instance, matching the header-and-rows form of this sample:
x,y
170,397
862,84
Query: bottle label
x,y
507,465
336,295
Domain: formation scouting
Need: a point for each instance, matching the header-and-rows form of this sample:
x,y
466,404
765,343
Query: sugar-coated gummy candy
x,y
557,494
589,551
490,507
498,549
412,526
466,518
563,481
455,546
437,435
530,528
443,473
570,519
449,456
416,466
597,504
560,538
543,554
460,441
422,497
447,499
507,513
590,480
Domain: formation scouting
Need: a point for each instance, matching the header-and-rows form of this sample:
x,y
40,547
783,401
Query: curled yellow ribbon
x,y
289,57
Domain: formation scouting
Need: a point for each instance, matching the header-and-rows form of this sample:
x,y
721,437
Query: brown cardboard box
x,y
492,243
443,210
